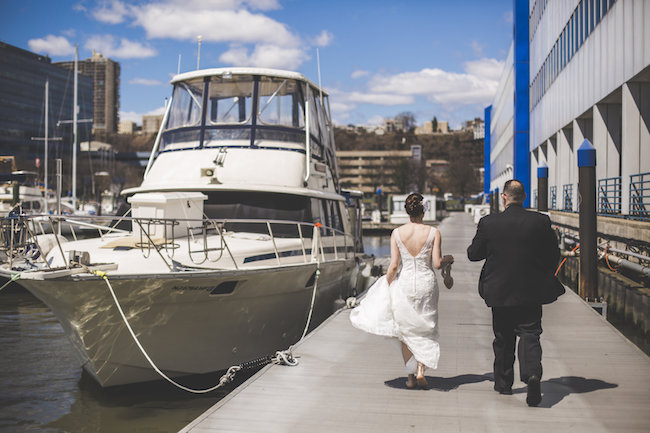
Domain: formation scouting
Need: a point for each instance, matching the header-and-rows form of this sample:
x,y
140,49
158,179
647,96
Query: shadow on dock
x,y
442,383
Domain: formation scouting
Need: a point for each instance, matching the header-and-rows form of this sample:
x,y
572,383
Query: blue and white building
x,y
577,69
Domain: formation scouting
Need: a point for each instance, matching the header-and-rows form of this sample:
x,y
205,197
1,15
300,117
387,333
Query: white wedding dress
x,y
407,309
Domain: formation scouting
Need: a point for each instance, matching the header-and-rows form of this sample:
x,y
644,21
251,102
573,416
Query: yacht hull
x,y
190,323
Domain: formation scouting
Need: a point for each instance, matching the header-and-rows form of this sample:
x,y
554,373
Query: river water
x,y
43,389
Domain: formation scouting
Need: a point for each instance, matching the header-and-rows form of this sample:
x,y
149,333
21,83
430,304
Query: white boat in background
x,y
19,190
240,236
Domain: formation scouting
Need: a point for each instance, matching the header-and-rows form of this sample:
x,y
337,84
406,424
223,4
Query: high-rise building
x,y
105,74
22,106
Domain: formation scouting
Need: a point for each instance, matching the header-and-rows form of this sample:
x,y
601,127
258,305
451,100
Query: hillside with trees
x,y
459,148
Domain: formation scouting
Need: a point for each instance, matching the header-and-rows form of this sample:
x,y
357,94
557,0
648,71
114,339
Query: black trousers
x,y
508,323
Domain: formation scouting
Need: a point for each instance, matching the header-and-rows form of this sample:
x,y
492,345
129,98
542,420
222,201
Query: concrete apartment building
x,y
151,123
105,74
126,127
367,170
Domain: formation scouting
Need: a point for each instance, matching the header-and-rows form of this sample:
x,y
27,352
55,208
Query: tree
x,y
462,178
407,119
409,175
401,175
434,124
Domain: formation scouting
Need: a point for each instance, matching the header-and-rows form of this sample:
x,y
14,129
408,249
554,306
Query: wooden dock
x,y
348,381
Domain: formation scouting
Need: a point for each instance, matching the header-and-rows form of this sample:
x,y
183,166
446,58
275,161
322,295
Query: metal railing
x,y
553,194
609,196
567,194
640,196
207,239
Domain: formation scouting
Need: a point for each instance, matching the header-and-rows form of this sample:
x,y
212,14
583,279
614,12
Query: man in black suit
x,y
521,254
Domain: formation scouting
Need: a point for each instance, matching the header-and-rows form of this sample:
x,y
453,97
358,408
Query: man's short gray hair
x,y
515,191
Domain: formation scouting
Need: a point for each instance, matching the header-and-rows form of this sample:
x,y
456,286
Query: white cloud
x,y
79,7
359,73
380,98
477,85
461,93
508,17
254,39
131,116
156,111
477,48
52,45
324,39
137,117
269,56
146,82
375,120
177,21
490,69
112,12
125,49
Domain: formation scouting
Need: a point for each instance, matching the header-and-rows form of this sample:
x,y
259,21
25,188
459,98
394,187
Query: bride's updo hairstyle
x,y
414,206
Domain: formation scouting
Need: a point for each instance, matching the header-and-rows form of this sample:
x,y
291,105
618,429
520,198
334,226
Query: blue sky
x,y
378,58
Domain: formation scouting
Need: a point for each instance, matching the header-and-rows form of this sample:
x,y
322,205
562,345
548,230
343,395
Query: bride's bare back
x,y
414,236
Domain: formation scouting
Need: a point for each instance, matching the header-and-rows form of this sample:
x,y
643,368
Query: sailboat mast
x,y
75,108
47,130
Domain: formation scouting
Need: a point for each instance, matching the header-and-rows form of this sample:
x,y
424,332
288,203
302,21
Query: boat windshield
x,y
240,107
281,103
186,105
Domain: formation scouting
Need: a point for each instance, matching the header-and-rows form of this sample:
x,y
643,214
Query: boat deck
x,y
594,380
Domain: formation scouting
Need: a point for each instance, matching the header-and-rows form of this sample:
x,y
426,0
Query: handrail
x,y
307,141
156,143
209,227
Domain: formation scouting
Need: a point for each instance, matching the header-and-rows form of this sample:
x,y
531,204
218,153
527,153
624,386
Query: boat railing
x,y
207,239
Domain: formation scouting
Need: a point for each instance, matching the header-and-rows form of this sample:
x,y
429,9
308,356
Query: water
x,y
379,245
42,387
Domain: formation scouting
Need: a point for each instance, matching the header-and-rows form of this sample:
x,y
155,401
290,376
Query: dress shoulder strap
x,y
397,237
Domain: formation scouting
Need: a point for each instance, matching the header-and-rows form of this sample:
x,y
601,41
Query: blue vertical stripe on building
x,y
521,148
486,151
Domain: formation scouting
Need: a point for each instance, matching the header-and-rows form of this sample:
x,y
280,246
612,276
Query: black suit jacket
x,y
521,256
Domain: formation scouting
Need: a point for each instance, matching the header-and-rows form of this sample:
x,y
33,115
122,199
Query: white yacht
x,y
240,236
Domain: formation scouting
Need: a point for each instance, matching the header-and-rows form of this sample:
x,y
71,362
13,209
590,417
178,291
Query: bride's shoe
x,y
447,278
410,382
421,380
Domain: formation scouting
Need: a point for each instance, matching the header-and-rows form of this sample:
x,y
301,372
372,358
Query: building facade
x,y
22,106
370,170
105,75
588,78
151,123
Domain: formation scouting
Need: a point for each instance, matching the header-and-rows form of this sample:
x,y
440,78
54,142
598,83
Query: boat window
x,y
313,114
330,216
335,216
186,105
232,205
281,103
230,100
327,123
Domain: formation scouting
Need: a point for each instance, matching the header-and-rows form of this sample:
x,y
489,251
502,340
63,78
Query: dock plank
x,y
348,381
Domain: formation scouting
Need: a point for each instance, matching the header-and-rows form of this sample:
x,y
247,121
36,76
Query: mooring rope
x,y
13,278
313,298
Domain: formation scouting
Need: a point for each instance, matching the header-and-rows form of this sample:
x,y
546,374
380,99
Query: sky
x,y
378,58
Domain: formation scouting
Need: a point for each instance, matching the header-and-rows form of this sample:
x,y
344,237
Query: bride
x,y
404,305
